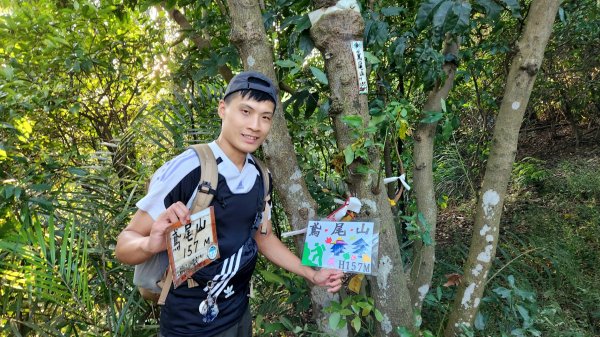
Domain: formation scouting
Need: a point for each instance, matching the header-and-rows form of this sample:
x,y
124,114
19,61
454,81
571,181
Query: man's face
x,y
245,124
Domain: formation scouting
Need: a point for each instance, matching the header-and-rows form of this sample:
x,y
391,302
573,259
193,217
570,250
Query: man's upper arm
x,y
129,243
141,223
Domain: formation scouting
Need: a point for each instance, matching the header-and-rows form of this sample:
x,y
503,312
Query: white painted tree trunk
x,y
334,33
521,77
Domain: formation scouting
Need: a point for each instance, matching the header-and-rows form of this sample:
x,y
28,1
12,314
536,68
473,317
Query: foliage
x,y
539,285
358,310
95,95
418,228
453,174
528,172
568,87
64,198
279,311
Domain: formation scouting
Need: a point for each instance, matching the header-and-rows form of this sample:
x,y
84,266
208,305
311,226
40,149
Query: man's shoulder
x,y
179,166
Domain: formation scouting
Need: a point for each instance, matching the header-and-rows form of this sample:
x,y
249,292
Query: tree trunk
x,y
333,34
424,255
249,36
521,77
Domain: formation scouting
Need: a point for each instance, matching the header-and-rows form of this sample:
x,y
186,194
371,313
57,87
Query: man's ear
x,y
221,108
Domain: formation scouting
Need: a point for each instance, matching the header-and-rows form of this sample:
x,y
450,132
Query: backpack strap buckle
x,y
206,187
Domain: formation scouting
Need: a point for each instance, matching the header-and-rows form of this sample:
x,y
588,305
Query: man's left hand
x,y
330,278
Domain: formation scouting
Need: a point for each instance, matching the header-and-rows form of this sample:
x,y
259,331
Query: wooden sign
x,y
348,246
192,246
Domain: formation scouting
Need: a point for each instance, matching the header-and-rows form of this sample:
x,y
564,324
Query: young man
x,y
246,112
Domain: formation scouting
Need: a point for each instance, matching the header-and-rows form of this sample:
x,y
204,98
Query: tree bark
x,y
333,34
424,255
249,36
521,77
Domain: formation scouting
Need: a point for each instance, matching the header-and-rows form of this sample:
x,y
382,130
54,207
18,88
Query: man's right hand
x,y
144,236
177,212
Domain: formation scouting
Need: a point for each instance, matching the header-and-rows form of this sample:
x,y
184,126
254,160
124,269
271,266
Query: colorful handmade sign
x,y
348,246
192,246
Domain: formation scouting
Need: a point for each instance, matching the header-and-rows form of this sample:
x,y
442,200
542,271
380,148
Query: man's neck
x,y
237,158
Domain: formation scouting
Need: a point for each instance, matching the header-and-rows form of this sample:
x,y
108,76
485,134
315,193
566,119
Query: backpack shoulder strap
x,y
264,173
209,177
166,285
207,188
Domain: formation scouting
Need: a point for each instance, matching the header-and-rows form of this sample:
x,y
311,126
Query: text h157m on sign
x,y
347,246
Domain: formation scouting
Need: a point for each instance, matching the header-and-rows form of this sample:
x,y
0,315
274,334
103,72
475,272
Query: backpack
x,y
153,277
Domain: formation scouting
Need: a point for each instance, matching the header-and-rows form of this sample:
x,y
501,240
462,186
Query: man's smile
x,y
249,136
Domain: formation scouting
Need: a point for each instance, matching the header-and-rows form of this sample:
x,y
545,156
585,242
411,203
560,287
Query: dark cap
x,y
252,80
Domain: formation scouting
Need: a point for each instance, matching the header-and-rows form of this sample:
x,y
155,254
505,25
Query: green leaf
x,y
356,323
441,14
40,187
377,120
479,321
346,302
319,75
561,15
524,294
404,332
364,169
8,72
286,322
334,319
426,237
272,277
503,292
514,7
511,280
447,129
392,11
432,116
418,319
274,327
77,171
346,312
286,63
427,333
372,59
348,155
303,24
51,240
426,11
524,313
462,10
305,43
353,121
422,220
290,20
378,315
492,9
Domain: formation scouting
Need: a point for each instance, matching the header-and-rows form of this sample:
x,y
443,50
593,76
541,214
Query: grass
x,y
549,250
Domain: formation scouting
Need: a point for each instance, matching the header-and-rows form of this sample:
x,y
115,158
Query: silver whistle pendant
x,y
208,308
